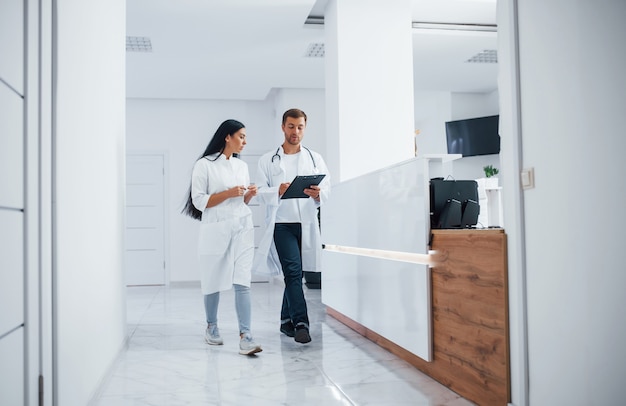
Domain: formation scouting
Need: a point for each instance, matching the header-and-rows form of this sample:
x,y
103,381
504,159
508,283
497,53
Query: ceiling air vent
x,y
138,44
315,50
486,56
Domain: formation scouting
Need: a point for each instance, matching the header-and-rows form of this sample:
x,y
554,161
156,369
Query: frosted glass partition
x,y
383,210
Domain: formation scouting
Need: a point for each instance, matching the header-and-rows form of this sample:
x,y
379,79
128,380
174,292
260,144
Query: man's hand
x,y
282,188
313,191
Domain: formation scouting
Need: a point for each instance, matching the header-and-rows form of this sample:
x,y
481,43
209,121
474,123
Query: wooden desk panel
x,y
470,314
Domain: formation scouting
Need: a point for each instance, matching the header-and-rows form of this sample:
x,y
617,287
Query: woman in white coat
x,y
292,241
218,196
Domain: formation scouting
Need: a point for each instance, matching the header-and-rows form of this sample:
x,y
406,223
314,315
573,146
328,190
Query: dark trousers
x,y
288,240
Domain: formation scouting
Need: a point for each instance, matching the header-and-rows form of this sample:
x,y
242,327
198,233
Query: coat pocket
x,y
214,238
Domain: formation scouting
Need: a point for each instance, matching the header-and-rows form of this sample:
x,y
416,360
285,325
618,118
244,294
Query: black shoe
x,y
302,335
287,329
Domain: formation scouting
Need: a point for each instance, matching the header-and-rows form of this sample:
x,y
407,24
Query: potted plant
x,y
490,173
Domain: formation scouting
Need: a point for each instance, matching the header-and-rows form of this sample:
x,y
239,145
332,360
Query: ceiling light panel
x,y
315,50
486,56
138,44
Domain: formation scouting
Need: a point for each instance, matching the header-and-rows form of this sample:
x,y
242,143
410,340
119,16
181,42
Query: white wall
x,y
432,110
470,105
88,179
182,129
572,87
369,95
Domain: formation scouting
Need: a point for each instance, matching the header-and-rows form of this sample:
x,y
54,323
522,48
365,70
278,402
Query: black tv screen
x,y
473,136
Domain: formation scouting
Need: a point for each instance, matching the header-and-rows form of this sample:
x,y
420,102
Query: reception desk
x,y
449,319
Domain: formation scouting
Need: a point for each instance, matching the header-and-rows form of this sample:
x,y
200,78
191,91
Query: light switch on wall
x,y
528,178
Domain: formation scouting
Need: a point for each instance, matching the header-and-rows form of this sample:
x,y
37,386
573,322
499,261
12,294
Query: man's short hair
x,y
294,113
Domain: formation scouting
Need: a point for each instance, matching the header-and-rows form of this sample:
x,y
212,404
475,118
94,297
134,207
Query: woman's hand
x,y
236,191
217,198
252,190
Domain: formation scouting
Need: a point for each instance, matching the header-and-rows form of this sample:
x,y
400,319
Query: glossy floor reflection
x,y
168,363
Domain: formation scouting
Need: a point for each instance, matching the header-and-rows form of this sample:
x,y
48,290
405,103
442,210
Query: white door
x,y
145,219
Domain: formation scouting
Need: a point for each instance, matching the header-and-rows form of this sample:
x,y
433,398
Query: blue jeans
x,y
242,306
288,240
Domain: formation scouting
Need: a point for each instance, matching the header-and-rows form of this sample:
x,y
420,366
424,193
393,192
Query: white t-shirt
x,y
289,211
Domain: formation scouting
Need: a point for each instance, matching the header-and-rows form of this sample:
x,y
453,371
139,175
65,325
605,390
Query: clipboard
x,y
299,183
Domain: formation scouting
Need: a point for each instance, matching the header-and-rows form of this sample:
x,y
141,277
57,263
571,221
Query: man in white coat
x,y
292,241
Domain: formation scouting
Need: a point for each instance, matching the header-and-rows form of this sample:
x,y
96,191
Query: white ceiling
x,y
241,49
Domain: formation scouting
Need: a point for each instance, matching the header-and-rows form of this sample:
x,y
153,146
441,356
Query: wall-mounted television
x,y
473,136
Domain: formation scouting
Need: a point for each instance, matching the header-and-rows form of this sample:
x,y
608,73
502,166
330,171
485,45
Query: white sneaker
x,y
247,346
212,335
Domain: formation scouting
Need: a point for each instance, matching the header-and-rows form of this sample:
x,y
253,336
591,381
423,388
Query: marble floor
x,y
168,363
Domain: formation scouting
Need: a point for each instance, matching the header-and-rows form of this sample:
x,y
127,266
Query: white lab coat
x,y
269,177
226,235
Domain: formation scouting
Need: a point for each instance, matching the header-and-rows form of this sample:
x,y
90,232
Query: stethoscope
x,y
276,155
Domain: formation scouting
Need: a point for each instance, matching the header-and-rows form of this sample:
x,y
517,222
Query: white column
x,y
369,85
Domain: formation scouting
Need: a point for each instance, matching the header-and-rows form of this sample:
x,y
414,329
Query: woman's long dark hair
x,y
216,146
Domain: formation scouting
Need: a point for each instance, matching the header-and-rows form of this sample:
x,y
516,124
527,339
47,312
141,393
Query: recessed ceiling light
x,y
425,25
315,50
486,56
138,44
314,20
